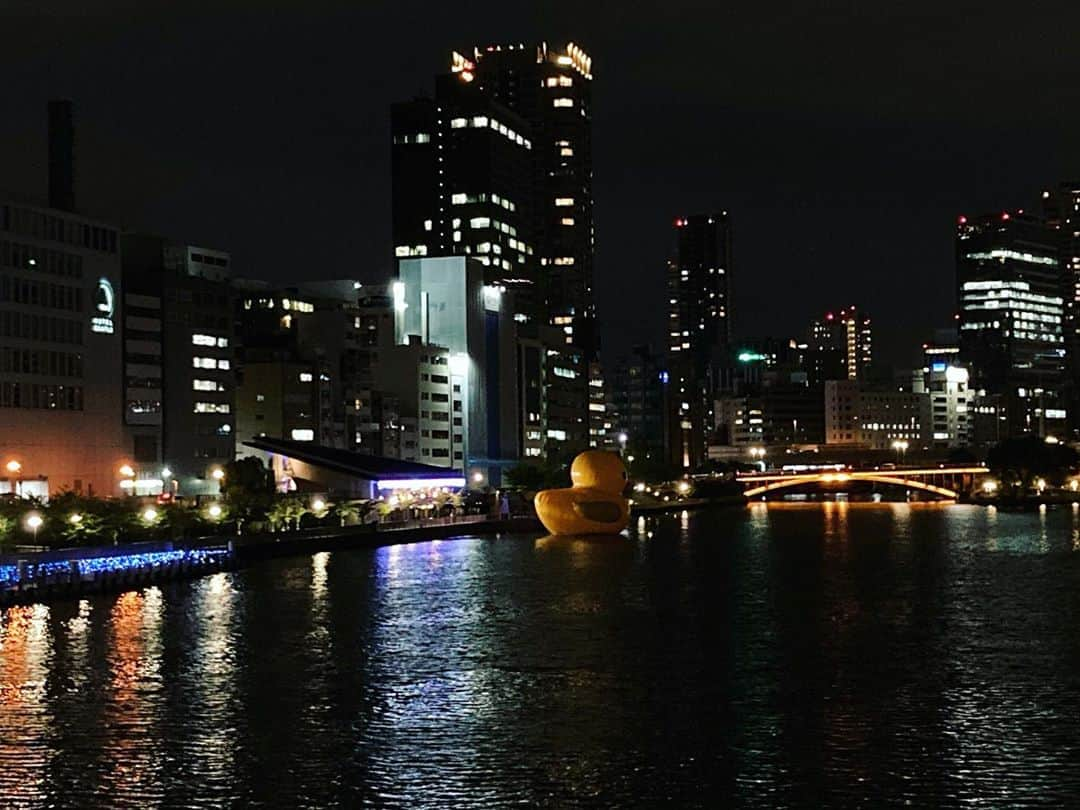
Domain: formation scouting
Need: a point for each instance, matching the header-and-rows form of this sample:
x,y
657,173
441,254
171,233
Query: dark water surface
x,y
782,655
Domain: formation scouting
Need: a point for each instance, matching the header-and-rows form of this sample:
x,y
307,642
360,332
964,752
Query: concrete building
x,y
61,353
179,363
418,377
950,401
873,419
445,302
636,401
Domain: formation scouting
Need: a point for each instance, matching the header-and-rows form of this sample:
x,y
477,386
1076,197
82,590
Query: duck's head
x,y
599,469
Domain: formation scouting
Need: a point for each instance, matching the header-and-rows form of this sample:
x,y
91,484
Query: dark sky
x,y
844,138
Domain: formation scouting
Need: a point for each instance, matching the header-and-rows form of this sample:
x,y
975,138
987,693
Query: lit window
x,y
480,222
458,123
401,250
423,137
566,221
302,434
564,261
427,224
206,385
305,376
480,121
203,340
564,202
562,102
458,199
566,151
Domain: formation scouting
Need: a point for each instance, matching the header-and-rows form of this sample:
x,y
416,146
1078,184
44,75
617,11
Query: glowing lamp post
x,y
33,523
758,454
14,468
900,446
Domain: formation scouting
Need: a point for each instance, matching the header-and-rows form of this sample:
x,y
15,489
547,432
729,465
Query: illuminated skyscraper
x,y
699,329
1061,208
1011,318
551,88
462,168
839,346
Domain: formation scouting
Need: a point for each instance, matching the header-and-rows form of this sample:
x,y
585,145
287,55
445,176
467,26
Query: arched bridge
x,y
945,482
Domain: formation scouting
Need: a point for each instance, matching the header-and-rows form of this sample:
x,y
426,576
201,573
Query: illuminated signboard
x,y
750,357
106,308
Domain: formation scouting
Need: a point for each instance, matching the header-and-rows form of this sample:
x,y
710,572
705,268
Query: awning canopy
x,y
388,473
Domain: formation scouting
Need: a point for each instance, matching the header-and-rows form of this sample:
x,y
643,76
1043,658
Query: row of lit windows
x,y
206,385
469,199
210,363
482,121
419,137
209,340
212,407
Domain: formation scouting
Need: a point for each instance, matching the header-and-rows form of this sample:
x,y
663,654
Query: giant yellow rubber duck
x,y
594,504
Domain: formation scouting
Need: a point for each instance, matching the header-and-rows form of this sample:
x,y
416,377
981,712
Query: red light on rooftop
x,y
1004,215
828,316
680,223
962,220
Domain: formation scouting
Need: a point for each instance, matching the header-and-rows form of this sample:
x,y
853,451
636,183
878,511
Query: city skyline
x,y
826,174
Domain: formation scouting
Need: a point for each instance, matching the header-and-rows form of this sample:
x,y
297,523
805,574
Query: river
x,y
781,655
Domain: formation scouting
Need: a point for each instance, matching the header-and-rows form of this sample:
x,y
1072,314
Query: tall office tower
x,y
839,346
1011,314
462,185
699,328
1061,209
180,390
551,88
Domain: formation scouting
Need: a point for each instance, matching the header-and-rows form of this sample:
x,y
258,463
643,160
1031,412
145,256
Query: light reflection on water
x,y
781,655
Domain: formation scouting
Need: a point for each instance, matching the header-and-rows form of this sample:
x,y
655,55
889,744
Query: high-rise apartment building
x,y
550,87
1011,317
839,346
699,329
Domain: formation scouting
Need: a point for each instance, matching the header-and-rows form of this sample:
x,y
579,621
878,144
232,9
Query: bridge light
x,y
1041,484
989,487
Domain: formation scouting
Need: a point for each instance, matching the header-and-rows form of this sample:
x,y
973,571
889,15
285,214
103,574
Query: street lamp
x,y
758,454
15,468
900,446
214,511
33,522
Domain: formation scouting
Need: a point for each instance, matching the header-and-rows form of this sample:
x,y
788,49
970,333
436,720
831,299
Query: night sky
x,y
843,138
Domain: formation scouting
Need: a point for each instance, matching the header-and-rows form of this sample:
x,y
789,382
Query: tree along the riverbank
x,y
1020,463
